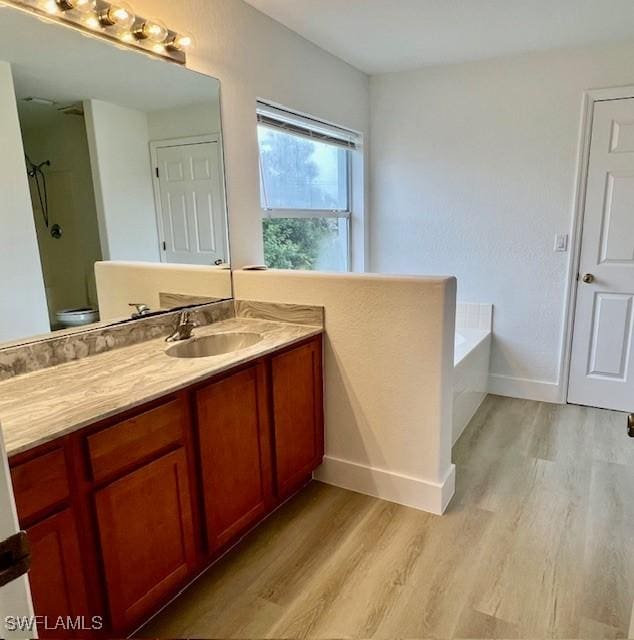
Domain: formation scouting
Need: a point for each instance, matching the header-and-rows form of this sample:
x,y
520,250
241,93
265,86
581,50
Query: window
x,y
305,168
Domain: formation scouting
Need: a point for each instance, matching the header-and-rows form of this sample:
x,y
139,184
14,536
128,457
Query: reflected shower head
x,y
35,172
33,169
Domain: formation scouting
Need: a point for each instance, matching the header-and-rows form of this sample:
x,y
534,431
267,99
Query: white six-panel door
x,y
191,204
602,367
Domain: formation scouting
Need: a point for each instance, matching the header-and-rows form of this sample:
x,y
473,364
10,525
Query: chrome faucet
x,y
141,309
183,329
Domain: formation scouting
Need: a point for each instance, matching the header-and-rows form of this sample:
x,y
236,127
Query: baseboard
x,y
387,485
540,390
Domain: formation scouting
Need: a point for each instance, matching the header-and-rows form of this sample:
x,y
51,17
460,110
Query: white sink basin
x,y
213,345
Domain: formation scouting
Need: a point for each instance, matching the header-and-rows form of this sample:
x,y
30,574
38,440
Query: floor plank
x,y
538,542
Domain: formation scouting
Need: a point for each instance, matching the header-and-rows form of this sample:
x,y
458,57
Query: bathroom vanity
x,y
134,470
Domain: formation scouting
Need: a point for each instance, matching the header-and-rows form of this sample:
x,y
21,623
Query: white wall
x,y
473,174
255,57
388,367
120,284
23,310
388,375
120,158
184,122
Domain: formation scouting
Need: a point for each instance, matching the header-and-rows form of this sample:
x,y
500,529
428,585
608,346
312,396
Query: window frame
x,y
345,214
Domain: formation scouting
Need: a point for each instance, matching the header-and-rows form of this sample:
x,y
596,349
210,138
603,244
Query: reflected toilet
x,y
77,317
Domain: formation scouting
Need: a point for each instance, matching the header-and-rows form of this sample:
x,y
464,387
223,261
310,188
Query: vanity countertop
x,y
38,407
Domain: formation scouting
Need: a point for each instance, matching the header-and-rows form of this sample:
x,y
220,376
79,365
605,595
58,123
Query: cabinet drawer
x,y
116,448
40,483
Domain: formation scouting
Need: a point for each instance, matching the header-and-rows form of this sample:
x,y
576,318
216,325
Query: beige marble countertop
x,y
38,407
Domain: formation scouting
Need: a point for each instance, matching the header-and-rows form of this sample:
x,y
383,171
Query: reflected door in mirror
x,y
190,202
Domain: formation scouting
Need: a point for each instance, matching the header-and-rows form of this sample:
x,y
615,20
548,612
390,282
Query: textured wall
x,y
122,283
388,366
473,174
388,370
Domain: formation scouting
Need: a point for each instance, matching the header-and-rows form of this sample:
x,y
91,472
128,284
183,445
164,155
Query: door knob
x,y
630,425
588,278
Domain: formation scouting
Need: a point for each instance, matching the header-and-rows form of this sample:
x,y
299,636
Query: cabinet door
x,y
234,437
297,415
57,580
147,537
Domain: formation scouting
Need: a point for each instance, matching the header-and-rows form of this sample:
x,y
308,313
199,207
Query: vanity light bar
x,y
115,21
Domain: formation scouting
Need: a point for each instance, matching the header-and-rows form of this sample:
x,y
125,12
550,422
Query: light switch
x,y
561,242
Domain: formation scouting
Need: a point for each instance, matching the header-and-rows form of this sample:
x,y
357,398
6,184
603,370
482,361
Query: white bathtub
x,y
471,363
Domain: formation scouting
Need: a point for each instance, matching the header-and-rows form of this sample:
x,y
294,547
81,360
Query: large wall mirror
x,y
121,156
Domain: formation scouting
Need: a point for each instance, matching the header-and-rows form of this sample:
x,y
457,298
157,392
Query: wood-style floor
x,y
538,542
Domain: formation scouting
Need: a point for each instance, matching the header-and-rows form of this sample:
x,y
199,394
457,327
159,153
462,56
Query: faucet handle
x,y
141,309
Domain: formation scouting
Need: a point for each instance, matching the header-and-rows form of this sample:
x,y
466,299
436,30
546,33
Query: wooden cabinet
x,y
297,415
235,455
141,437
147,537
40,484
118,513
56,576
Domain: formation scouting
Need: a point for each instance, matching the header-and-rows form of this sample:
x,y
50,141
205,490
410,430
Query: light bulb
x,y
92,22
83,6
118,15
180,42
152,30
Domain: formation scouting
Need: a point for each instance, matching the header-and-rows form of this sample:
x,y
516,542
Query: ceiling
x,y
380,36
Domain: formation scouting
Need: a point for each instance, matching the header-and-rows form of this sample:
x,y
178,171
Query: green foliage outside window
x,y
294,243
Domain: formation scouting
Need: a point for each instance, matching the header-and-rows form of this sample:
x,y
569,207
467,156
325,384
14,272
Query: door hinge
x,y
157,172
164,245
15,557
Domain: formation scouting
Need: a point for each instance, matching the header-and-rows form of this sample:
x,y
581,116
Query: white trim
x,y
388,485
540,390
583,156
155,145
306,213
181,142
